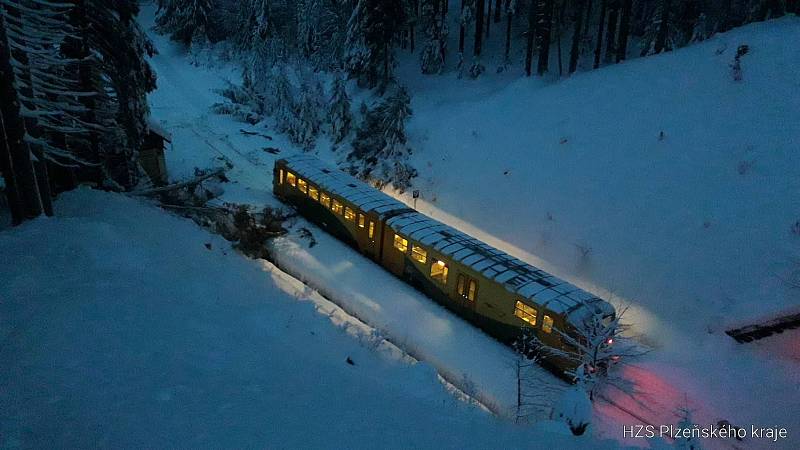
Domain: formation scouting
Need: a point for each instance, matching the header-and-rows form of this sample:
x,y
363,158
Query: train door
x,y
466,291
367,234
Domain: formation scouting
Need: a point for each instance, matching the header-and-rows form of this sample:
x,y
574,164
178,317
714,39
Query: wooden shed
x,y
151,156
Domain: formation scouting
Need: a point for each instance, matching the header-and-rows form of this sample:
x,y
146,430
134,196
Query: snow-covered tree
x,y
339,111
369,56
435,28
574,407
306,121
186,20
380,151
593,343
243,103
685,422
281,101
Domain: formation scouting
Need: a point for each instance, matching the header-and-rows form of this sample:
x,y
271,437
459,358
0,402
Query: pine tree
x,y
435,47
339,111
380,150
186,20
690,442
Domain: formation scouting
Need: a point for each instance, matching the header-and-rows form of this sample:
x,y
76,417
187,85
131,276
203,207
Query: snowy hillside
x,y
144,331
621,196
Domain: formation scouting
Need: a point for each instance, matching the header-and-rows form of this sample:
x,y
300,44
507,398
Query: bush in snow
x,y
574,408
736,67
243,102
686,443
379,149
339,111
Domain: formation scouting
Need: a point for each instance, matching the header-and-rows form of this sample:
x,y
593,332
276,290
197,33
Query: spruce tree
x,y
435,47
369,56
339,111
380,151
186,20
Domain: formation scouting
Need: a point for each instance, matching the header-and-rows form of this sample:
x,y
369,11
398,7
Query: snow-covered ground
x,y
122,326
691,229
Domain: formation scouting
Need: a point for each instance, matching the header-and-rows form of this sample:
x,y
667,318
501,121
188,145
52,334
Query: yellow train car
x,y
501,294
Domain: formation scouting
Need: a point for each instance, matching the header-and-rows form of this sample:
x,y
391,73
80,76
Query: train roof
x,y
332,180
516,275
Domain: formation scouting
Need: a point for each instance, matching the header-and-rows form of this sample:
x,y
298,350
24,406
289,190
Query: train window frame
x,y
325,199
400,243
337,207
441,276
362,220
464,287
302,185
349,214
547,324
291,179
371,230
461,284
313,192
419,254
526,312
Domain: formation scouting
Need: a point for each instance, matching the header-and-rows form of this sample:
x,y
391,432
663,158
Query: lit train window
x,y
302,185
291,179
439,271
472,290
313,192
325,199
336,206
280,178
547,324
371,229
461,284
349,214
419,254
400,243
525,312
362,221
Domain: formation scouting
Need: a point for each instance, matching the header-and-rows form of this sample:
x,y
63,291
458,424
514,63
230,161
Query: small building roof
x,y
332,180
156,128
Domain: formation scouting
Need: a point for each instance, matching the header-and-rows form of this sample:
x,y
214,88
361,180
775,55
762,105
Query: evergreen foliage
x,y
380,150
339,111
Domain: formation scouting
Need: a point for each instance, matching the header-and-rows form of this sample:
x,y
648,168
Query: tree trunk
x,y
531,33
663,28
598,50
509,21
488,17
28,202
624,30
577,37
461,29
480,6
588,22
611,32
498,10
543,35
559,21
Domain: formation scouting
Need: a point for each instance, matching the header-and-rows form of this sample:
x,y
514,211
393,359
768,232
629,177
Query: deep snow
x,y
671,225
121,329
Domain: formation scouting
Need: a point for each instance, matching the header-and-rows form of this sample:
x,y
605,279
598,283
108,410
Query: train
x,y
507,298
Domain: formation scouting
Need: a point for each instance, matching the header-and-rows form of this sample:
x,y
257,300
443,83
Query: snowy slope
x,y
692,229
120,329
765,385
